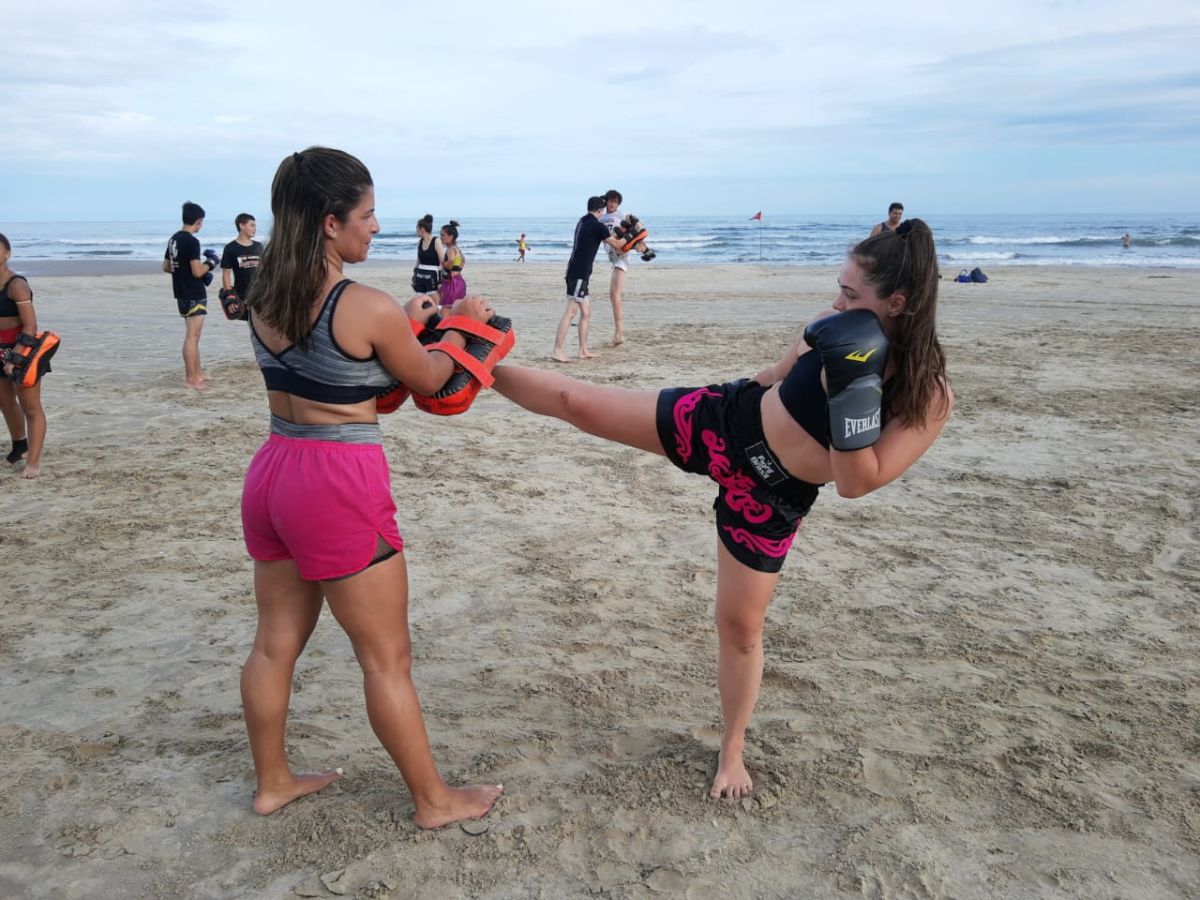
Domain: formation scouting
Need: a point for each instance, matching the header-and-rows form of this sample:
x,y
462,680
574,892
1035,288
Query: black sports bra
x,y
323,371
804,398
427,256
8,306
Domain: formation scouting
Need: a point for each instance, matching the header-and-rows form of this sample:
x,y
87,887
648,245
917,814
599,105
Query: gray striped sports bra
x,y
323,371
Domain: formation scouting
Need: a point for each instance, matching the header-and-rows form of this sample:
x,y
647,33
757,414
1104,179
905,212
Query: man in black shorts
x,y
239,262
590,233
188,269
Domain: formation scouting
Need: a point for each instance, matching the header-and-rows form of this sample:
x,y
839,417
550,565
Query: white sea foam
x,y
778,240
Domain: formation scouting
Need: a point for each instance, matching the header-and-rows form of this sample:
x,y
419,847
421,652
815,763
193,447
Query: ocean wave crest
x,y
983,254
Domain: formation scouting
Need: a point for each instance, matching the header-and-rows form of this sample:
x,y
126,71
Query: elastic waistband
x,y
9,335
751,444
428,268
348,433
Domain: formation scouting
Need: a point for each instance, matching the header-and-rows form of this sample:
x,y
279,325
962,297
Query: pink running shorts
x,y
324,504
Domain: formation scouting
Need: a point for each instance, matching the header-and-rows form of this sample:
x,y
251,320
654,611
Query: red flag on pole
x,y
757,216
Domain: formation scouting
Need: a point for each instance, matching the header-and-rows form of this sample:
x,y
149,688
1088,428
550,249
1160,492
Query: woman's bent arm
x,y
405,357
858,472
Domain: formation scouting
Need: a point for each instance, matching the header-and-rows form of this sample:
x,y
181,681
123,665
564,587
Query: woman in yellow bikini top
x,y
453,286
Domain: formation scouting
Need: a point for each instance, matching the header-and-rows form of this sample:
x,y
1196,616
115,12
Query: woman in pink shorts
x,y
317,507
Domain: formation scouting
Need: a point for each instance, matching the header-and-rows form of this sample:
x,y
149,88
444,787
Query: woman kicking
x,y
856,400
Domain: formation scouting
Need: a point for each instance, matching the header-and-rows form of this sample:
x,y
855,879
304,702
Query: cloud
x,y
1125,86
679,94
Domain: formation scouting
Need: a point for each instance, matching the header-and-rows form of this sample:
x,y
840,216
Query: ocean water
x,y
963,241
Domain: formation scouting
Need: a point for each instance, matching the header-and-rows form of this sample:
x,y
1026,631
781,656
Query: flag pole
x,y
758,216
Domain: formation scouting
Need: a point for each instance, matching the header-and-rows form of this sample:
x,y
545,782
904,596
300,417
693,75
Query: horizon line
x,y
751,217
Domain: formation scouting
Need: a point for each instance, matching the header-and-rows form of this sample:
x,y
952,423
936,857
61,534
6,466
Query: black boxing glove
x,y
853,351
211,257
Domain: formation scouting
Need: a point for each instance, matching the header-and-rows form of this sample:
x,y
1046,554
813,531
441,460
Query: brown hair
x,y
308,186
905,261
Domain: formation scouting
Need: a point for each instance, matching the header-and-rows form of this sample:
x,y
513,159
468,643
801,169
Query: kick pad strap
x,y
486,346
473,367
468,326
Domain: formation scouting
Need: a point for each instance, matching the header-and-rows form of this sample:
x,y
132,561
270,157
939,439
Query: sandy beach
x,y
981,681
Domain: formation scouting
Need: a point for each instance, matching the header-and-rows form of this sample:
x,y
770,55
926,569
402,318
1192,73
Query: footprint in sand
x,y
884,777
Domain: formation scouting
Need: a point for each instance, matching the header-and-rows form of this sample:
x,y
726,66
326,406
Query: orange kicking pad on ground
x,y
486,346
30,358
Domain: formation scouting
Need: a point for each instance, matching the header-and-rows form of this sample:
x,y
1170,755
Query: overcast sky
x,y
120,110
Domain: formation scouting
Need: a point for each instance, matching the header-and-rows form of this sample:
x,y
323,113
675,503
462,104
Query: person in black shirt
x,y
590,233
239,260
188,269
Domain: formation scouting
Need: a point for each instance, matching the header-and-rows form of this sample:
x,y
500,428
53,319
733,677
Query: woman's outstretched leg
x,y
618,414
372,607
288,607
743,595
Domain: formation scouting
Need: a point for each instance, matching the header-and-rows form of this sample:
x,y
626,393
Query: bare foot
x,y
472,802
560,357
266,802
31,471
585,354
199,384
204,376
732,779
616,342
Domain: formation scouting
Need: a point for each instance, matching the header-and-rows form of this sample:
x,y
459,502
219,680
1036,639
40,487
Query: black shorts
x,y
717,431
425,281
577,289
190,308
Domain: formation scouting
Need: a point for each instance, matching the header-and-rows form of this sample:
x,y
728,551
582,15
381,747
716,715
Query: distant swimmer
x,y
895,214
522,248
1126,241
